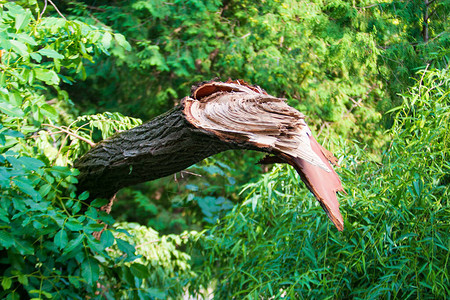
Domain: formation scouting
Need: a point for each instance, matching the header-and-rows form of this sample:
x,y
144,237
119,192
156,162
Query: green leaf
x,y
31,163
99,202
22,20
24,247
26,186
50,53
90,270
37,57
41,292
73,244
106,40
6,239
61,239
107,239
95,227
11,110
45,189
6,283
49,111
125,247
23,279
74,225
139,270
20,48
122,41
48,76
83,196
156,293
26,39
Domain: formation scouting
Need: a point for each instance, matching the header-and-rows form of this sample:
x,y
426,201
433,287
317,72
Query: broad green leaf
x,y
157,293
36,56
24,247
106,40
22,20
40,293
11,110
27,187
95,227
6,239
49,111
83,196
50,53
48,76
125,247
120,39
90,270
139,270
107,239
23,279
19,47
31,163
74,225
45,189
73,244
6,283
61,239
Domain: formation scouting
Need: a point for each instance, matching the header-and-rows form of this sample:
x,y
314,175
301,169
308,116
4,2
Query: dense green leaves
x,y
397,222
46,232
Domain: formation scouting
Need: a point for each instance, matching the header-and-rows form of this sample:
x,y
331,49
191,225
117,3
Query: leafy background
x,y
375,89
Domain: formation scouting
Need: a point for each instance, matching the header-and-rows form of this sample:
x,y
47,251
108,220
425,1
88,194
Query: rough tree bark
x,y
217,116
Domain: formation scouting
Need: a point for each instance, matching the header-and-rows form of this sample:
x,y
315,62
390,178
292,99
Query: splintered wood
x,y
236,112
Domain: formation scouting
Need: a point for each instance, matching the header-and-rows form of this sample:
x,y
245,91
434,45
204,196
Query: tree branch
x,y
91,143
217,116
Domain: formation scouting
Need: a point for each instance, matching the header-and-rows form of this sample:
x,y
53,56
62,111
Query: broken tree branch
x,y
217,116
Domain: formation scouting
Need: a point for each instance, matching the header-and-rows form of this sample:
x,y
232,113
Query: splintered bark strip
x,y
217,116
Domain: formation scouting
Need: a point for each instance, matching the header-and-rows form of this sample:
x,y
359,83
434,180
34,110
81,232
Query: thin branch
x,y
57,10
44,9
54,6
91,143
369,6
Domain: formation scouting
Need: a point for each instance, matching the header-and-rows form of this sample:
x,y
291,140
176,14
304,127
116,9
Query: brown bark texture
x,y
218,116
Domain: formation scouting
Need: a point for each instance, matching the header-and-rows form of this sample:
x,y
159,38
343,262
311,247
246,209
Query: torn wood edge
x,y
314,179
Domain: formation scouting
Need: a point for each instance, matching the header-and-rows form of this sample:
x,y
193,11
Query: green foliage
x,y
46,230
323,54
395,243
162,270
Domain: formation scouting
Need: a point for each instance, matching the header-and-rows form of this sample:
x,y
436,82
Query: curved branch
x,y
217,117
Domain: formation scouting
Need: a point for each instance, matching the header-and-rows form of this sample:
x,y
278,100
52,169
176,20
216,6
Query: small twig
x,y
91,143
191,173
54,6
43,10
57,10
